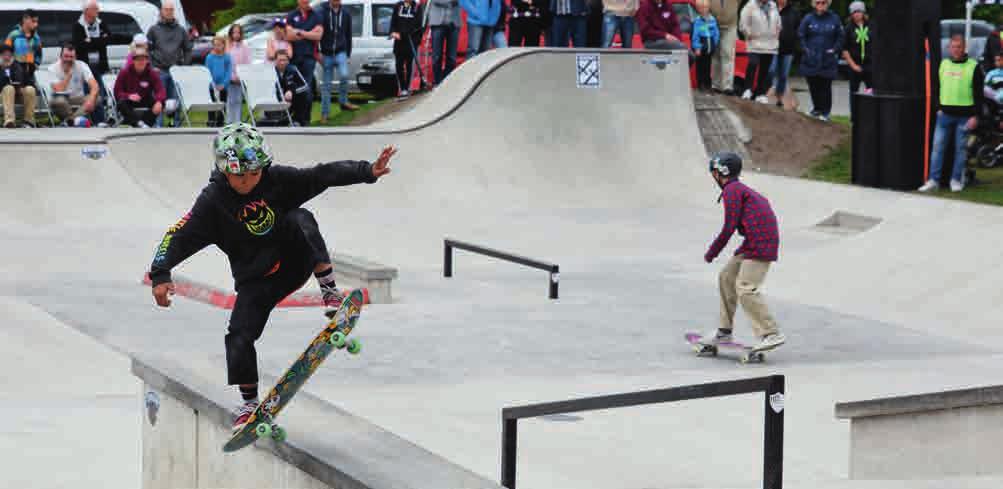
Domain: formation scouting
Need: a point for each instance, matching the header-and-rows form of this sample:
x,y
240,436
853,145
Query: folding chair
x,y
194,86
261,90
43,82
111,105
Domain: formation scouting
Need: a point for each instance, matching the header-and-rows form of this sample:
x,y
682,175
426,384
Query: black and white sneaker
x,y
332,297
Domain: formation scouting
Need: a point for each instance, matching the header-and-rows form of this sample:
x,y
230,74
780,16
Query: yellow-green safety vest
x,y
956,83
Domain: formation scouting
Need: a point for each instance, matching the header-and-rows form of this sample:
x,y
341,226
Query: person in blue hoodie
x,y
821,35
705,39
221,68
482,15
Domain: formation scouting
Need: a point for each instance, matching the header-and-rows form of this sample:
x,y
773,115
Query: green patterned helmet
x,y
240,148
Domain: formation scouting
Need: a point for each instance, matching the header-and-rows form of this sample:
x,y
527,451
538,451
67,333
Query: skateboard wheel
x,y
338,339
263,430
354,346
278,433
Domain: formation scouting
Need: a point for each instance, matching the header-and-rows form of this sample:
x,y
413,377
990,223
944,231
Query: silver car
x,y
980,31
370,36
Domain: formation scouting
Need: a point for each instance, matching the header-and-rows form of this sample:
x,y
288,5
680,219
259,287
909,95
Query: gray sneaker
x,y
770,342
716,337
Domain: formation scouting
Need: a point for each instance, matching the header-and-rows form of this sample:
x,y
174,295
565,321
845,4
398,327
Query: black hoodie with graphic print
x,y
241,225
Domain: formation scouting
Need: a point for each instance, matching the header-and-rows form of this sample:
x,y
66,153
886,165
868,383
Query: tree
x,y
950,9
244,7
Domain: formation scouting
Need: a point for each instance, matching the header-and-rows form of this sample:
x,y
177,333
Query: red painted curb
x,y
224,299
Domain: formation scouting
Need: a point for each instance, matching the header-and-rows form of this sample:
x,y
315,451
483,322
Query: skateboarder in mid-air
x,y
251,210
748,212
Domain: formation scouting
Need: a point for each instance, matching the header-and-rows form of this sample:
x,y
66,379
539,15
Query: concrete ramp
x,y
507,130
609,182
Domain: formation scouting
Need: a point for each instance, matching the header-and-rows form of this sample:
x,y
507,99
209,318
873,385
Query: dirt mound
x,y
785,142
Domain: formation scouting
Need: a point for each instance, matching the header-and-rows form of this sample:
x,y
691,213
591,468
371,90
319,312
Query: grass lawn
x,y
835,168
338,117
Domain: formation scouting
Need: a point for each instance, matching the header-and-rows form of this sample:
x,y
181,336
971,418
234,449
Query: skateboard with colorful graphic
x,y
746,354
261,424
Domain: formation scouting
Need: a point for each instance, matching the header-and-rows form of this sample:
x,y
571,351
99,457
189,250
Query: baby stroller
x,y
985,143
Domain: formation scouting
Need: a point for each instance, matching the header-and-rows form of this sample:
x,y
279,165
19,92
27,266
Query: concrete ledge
x,y
373,276
980,396
186,421
942,434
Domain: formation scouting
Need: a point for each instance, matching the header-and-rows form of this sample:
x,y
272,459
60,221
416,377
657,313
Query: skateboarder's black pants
x,y
302,249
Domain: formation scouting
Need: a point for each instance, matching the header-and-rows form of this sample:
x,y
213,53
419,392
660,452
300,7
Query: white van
x,y
56,20
370,36
179,9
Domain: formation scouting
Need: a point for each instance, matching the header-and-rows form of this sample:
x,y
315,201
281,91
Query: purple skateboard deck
x,y
746,354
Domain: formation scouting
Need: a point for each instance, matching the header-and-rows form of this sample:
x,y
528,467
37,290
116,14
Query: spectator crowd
x,y
144,93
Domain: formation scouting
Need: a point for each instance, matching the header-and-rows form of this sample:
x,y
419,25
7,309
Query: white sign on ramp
x,y
94,152
587,70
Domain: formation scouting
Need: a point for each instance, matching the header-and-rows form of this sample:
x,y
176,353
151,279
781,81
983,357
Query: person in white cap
x,y
138,41
857,48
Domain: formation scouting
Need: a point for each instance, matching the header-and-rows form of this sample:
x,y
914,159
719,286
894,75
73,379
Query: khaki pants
x,y
723,72
10,96
740,281
63,107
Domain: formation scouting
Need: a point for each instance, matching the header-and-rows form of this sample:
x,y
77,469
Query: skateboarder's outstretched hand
x,y
162,294
382,165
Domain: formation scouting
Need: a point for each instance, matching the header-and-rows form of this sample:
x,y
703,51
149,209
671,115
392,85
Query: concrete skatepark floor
x,y
610,183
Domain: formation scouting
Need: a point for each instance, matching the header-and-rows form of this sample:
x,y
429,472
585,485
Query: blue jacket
x,y
329,45
481,12
993,85
221,67
822,41
706,35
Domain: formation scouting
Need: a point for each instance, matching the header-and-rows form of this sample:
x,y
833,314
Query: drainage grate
x,y
847,223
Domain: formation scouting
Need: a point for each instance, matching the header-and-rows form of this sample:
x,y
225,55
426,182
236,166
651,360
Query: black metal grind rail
x,y
449,244
773,443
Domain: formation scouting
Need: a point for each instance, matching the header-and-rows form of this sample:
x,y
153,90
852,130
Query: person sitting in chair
x,y
294,88
139,87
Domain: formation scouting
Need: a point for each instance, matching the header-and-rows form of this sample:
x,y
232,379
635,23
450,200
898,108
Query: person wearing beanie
x,y
857,49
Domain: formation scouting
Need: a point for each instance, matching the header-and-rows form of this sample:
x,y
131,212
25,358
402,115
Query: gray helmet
x,y
727,164
240,148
